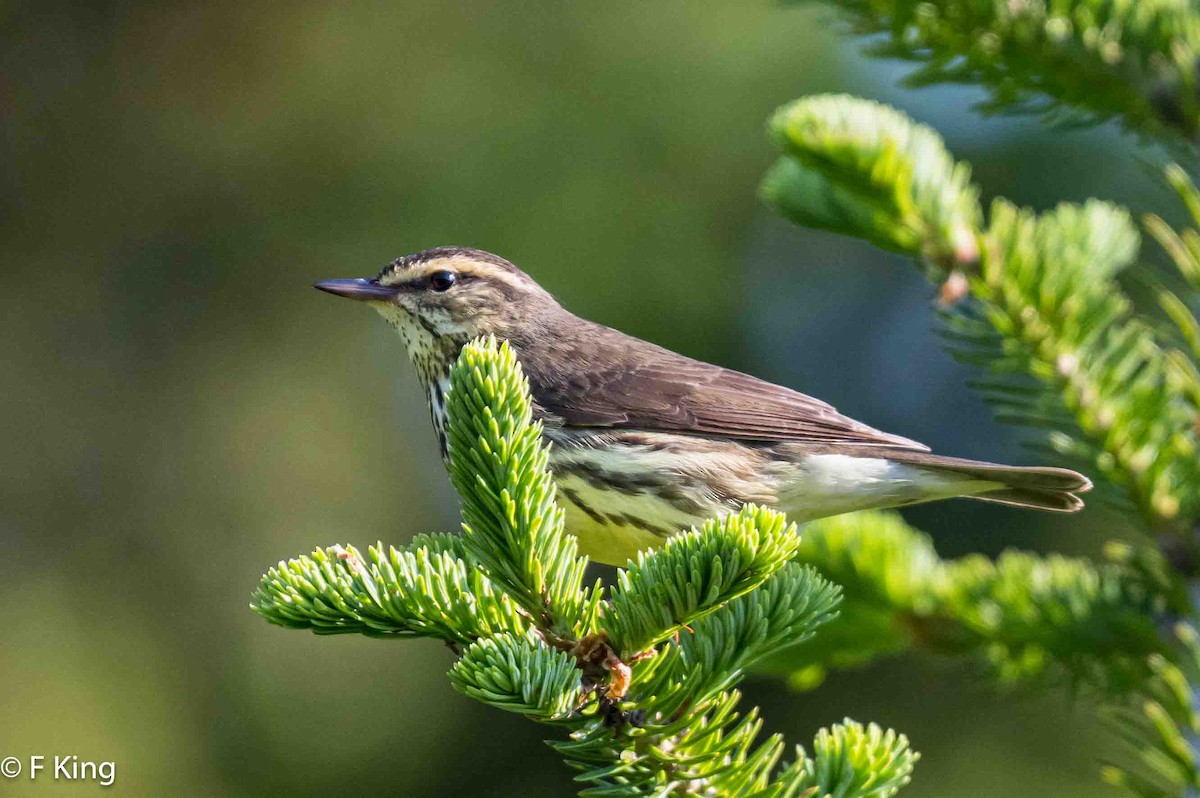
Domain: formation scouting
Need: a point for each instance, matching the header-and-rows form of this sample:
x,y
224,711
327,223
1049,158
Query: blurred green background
x,y
181,410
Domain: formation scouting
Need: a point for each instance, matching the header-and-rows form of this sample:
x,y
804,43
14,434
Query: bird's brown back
x,y
584,374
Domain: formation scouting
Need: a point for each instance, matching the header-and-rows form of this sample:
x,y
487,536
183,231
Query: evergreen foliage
x,y
1073,60
1054,619
864,169
695,573
1181,307
1034,301
519,675
511,525
642,682
426,590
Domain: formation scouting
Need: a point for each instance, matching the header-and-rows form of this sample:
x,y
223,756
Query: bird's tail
x,y
1037,487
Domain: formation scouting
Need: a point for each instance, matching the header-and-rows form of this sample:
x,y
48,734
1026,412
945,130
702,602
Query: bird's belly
x,y
627,491
624,492
613,524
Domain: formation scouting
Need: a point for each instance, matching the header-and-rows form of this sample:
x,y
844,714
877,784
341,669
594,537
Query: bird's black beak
x,y
359,288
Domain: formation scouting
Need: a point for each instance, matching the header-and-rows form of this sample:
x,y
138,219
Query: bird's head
x,y
441,298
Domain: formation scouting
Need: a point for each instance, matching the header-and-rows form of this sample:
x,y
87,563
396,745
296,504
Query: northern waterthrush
x,y
647,442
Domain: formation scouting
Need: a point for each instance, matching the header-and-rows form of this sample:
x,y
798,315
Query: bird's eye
x,y
441,281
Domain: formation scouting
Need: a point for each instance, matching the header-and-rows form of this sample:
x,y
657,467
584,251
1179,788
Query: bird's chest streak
x,y
437,411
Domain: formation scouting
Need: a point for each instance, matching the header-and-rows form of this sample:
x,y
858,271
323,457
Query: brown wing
x,y
609,379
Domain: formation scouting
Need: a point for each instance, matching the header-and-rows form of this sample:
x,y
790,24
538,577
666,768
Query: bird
x,y
645,442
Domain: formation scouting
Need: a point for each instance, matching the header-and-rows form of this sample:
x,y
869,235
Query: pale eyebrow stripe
x,y
466,267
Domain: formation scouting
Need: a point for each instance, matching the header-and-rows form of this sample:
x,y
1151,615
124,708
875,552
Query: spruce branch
x,y
708,749
850,759
425,590
1046,290
786,611
509,599
714,753
1053,620
1035,302
1182,307
869,171
688,730
1098,629
1045,616
1183,248
1160,726
519,674
693,574
1077,60
889,573
498,464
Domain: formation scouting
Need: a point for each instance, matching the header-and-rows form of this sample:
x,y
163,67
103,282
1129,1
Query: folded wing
x,y
609,379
